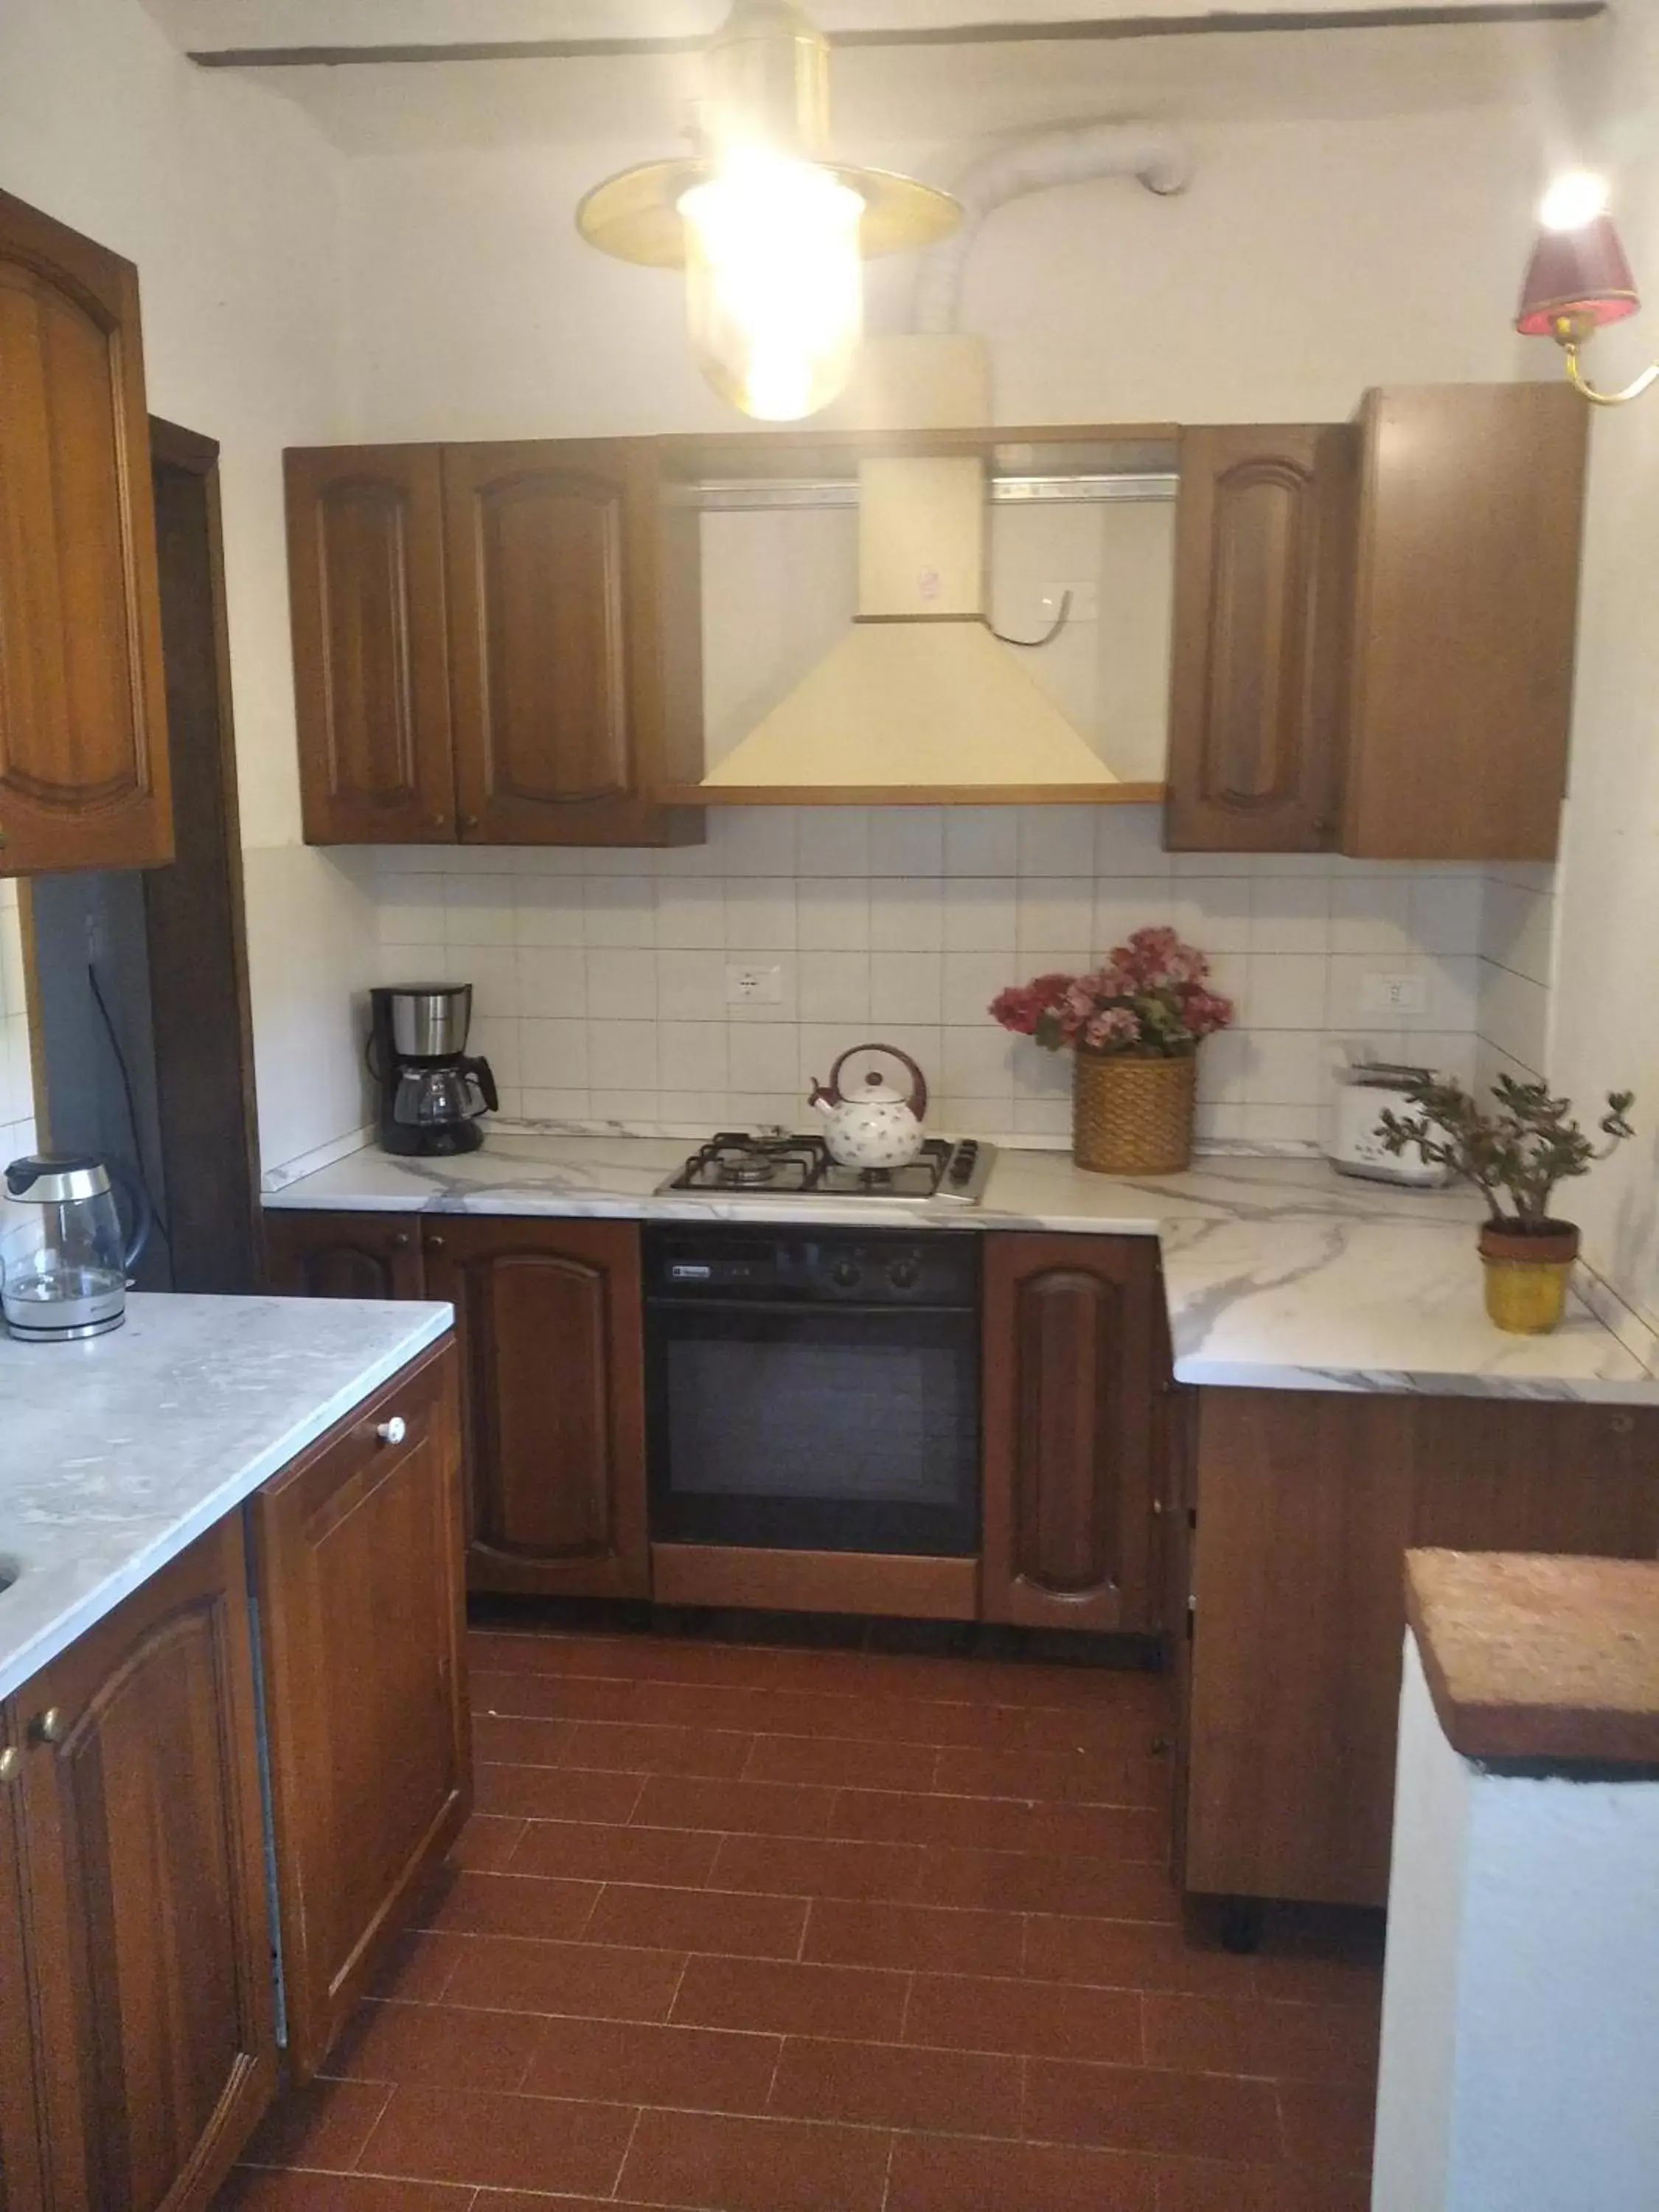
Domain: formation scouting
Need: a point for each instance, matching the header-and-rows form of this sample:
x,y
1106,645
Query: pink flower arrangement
x,y
1148,998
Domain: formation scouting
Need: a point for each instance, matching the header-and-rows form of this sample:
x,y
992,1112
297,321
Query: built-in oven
x,y
813,1390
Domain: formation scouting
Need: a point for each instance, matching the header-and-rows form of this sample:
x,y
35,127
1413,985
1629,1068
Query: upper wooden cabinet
x,y
83,751
1374,629
144,1968
496,643
1263,582
1070,1398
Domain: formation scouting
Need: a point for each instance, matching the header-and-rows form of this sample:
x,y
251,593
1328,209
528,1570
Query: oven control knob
x,y
904,1275
846,1274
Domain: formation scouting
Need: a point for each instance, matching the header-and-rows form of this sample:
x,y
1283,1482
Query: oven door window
x,y
815,1429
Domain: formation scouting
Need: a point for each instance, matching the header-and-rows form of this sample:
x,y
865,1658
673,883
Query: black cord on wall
x,y
133,1109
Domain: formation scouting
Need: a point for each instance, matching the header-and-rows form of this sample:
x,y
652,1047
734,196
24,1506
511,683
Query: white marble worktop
x,y
1281,1273
117,1453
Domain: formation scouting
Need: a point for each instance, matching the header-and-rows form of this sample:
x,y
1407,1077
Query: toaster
x,y
1357,1146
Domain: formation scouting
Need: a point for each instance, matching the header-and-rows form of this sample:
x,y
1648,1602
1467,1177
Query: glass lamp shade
x,y
775,284
1576,277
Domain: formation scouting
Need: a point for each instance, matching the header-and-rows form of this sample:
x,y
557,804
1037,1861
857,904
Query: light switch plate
x,y
753,987
1382,992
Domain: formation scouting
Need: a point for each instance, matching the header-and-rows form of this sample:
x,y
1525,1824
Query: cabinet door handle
x,y
12,1762
392,1431
49,1726
400,1242
469,821
435,1242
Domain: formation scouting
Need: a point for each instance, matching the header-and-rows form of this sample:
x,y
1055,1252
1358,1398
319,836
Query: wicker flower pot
x,y
1132,1117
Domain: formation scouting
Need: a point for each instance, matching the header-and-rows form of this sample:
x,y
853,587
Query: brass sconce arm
x,y
1582,383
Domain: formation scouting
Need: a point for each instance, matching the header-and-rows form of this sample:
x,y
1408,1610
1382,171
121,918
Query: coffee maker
x,y
430,1093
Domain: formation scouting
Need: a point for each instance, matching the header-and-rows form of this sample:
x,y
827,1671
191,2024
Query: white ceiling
x,y
251,27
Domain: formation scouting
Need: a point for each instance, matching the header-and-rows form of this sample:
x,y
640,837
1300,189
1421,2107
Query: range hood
x,y
920,694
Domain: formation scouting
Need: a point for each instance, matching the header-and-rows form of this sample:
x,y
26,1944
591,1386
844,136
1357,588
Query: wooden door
x,y
83,746
1264,537
324,1255
147,1890
1069,1416
553,1401
1471,511
358,1554
559,637
1306,1504
371,671
25,2145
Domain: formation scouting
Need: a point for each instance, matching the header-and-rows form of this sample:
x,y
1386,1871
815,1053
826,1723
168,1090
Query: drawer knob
x,y
11,1760
392,1431
49,1726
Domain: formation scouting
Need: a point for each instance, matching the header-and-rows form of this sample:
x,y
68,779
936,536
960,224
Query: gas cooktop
x,y
944,1172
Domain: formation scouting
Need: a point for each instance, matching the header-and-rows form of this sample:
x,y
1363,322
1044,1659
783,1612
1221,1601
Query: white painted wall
x,y
16,1089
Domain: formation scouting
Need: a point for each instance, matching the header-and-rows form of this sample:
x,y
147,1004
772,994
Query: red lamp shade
x,y
1579,274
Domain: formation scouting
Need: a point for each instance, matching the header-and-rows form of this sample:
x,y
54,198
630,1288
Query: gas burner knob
x,y
961,1167
903,1274
846,1274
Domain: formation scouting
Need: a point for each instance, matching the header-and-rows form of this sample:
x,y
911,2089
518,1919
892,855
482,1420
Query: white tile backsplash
x,y
600,977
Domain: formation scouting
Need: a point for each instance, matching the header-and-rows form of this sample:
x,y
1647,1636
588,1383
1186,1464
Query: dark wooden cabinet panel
x,y
1069,1399
25,2176
553,1376
1263,569
358,1553
147,1891
1471,510
558,644
343,1255
371,670
83,750
1307,1503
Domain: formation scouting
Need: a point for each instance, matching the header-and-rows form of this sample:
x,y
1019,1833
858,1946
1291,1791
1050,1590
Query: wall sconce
x,y
1578,279
771,232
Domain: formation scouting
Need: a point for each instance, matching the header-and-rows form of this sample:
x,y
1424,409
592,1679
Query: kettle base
x,y
71,1334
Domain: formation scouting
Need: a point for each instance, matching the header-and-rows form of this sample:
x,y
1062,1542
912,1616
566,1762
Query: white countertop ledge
x,y
116,1454
1281,1275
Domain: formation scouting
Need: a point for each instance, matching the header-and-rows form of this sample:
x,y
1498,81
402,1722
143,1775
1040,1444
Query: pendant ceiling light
x,y
771,233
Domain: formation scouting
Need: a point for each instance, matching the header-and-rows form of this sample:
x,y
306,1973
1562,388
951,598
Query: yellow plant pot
x,y
1527,1276
1132,1117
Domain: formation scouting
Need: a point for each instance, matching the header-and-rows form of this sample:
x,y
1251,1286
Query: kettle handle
x,y
917,1100
144,1213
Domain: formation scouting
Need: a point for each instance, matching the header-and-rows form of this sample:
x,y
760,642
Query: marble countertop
x,y
1281,1275
116,1453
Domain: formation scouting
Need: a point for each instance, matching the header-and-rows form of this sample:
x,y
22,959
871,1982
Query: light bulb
x,y
774,285
1573,201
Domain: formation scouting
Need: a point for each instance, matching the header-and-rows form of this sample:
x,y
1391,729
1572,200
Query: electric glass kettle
x,y
64,1258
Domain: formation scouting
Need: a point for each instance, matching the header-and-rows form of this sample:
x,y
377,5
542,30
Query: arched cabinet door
x,y
321,1255
1264,563
1070,1403
83,748
549,1316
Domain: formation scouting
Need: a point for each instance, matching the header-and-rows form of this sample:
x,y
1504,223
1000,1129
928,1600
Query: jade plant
x,y
1514,1157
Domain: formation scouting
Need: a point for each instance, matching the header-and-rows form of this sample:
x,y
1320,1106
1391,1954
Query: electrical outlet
x,y
753,987
1382,992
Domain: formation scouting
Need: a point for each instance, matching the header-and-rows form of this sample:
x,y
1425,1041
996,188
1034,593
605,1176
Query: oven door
x,y
823,1428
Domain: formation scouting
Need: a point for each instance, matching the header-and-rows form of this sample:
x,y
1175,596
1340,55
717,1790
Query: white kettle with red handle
x,y
873,1126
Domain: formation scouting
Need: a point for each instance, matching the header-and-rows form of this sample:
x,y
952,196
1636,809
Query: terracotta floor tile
x,y
262,2190
877,2085
519,1739
557,1793
814,1866
887,1720
325,2125
417,1968
1133,2108
755,2166
546,1651
442,2044
917,1817
977,2013
852,1933
733,1923
500,2142
1046,1779
1198,2034
645,1747
749,1809
594,1851
1013,1882
1189,2185
594,1980
1139,1712
552,1697
731,1706
1135,1834
702,2069
1327,2124
1312,1980
841,1759
511,1904
1315,2042
787,1998
934,2174
1134,1954
487,1842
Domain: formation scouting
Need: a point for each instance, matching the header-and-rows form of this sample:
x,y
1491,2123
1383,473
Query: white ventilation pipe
x,y
1073,156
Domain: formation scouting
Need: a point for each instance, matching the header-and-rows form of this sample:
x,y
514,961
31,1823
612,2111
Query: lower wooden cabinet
x,y
549,1314
1306,1504
343,1255
358,1557
137,2047
1070,1404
